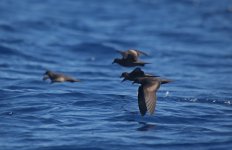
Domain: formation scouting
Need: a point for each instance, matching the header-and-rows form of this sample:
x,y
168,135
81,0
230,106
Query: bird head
x,y
124,75
47,74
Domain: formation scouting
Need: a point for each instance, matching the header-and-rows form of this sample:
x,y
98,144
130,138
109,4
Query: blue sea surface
x,y
188,41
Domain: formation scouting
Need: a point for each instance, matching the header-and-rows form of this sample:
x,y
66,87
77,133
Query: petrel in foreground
x,y
57,77
147,93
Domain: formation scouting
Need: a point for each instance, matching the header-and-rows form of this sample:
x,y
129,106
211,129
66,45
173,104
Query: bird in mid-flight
x,y
130,58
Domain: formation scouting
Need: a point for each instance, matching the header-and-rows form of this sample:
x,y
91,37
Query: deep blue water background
x,y
189,41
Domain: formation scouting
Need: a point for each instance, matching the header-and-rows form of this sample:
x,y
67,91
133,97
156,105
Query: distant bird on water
x,y
57,77
147,93
136,73
130,58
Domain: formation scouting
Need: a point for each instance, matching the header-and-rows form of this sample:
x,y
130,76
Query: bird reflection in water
x,y
146,127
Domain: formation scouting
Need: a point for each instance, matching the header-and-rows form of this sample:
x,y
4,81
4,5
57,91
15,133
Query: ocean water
x,y
188,41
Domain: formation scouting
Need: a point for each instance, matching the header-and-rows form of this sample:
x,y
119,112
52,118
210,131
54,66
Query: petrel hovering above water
x,y
147,93
131,54
130,58
136,73
57,77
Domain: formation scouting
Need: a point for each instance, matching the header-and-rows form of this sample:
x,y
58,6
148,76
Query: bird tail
x,y
74,80
164,81
142,63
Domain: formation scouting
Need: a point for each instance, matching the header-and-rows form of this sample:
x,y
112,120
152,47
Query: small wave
x,y
8,28
8,51
14,52
227,102
70,147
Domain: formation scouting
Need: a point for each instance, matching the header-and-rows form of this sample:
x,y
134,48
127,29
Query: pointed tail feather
x,y
73,80
164,81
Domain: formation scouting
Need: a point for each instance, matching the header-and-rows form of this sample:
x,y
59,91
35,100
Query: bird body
x,y
56,77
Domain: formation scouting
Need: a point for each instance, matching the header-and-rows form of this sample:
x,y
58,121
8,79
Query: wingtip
x,y
144,53
142,114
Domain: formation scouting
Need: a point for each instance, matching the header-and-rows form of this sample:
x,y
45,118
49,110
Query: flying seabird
x,y
147,93
130,58
131,54
136,73
57,77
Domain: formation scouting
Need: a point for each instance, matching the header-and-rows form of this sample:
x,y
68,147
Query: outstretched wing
x,y
141,101
149,91
121,52
141,52
126,55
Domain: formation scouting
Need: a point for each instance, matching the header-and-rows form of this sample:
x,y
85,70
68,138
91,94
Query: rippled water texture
x,y
189,41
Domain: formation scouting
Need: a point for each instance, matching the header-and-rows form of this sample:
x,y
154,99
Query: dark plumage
x,y
147,93
136,73
129,63
130,58
56,77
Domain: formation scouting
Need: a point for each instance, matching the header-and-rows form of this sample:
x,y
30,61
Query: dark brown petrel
x,y
136,73
131,54
57,77
147,93
130,58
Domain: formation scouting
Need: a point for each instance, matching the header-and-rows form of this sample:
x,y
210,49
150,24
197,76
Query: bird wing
x,y
132,55
141,52
150,75
137,72
124,54
149,91
141,101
